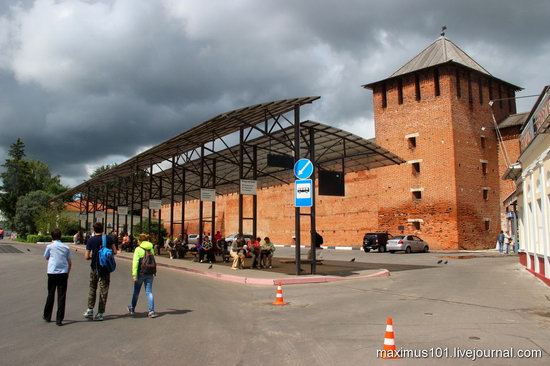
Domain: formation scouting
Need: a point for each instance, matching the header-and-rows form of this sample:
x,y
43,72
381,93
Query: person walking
x,y
508,242
58,256
500,242
140,276
98,275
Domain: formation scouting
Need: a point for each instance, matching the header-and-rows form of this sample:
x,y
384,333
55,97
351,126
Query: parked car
x,y
407,243
374,241
193,238
231,238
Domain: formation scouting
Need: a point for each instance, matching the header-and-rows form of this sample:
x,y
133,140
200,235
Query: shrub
x,y
35,238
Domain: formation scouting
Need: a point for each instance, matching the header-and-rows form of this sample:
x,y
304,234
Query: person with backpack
x,y
144,269
100,250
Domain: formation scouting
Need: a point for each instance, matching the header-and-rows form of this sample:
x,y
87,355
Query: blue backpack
x,y
106,257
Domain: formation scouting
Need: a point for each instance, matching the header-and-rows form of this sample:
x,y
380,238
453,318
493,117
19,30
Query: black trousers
x,y
56,282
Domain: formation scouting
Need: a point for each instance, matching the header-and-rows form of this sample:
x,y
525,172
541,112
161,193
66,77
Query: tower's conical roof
x,y
439,52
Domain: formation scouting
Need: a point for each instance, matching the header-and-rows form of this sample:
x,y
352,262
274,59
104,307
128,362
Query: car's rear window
x,y
399,237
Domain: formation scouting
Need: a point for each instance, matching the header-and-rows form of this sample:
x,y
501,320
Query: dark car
x,y
373,241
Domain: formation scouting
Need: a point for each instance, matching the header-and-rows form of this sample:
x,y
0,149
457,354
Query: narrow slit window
x,y
412,142
417,86
417,195
416,168
490,86
482,142
400,91
511,102
457,80
470,96
485,194
437,91
416,225
487,225
484,168
500,104
480,86
384,96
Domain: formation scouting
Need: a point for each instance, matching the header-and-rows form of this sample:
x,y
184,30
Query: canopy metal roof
x,y
335,149
217,127
332,145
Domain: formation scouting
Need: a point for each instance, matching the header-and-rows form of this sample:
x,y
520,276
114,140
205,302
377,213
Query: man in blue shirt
x,y
58,256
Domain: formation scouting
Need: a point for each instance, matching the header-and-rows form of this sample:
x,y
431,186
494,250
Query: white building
x,y
533,189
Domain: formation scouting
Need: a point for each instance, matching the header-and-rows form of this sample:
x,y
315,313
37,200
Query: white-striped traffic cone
x,y
279,297
390,351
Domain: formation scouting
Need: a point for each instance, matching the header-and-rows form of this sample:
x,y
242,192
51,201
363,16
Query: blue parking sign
x,y
303,195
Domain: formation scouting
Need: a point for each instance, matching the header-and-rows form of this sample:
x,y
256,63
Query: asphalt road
x,y
480,303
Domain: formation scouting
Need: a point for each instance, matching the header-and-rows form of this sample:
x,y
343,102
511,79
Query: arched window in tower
x,y
500,104
490,86
384,96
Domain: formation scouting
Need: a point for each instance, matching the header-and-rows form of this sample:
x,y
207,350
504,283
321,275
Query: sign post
x,y
208,195
303,189
249,187
155,204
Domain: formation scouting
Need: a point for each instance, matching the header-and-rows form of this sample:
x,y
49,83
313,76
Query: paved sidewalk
x,y
265,277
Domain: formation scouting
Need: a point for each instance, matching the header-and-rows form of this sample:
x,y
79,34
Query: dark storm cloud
x,y
92,82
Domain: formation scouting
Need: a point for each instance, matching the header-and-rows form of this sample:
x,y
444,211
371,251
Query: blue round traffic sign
x,y
303,168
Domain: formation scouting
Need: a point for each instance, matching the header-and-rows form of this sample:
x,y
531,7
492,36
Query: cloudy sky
x,y
89,82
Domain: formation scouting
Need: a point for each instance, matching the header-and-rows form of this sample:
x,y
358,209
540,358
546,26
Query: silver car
x,y
193,238
407,243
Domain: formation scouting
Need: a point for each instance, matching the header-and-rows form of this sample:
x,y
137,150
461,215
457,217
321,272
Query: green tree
x,y
22,176
144,228
28,209
15,179
41,179
101,169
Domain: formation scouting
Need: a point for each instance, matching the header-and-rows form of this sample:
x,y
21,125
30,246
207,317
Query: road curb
x,y
302,280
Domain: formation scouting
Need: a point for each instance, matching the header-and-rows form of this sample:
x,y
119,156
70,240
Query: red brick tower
x,y
434,112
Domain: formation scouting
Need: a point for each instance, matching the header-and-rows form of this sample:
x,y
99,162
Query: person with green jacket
x,y
139,278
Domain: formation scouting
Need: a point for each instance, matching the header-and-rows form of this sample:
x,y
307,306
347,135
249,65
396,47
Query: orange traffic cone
x,y
389,341
279,297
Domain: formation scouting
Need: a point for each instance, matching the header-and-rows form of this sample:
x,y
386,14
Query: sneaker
x,y
270,267
99,317
152,314
89,314
130,310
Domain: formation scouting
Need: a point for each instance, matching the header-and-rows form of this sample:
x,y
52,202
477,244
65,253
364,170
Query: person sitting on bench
x,y
206,249
267,249
237,252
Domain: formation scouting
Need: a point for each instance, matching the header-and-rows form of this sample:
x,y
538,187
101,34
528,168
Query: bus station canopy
x,y
221,151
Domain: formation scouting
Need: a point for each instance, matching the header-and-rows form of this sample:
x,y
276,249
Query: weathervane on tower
x,y
443,29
